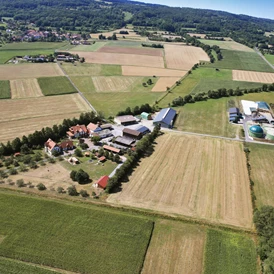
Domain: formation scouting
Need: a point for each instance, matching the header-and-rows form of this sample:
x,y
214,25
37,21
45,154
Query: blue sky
x,y
262,8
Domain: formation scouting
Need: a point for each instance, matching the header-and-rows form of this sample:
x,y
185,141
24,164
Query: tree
x,y
13,171
78,152
81,176
16,144
84,193
72,191
116,158
24,149
73,175
149,82
20,183
41,187
60,189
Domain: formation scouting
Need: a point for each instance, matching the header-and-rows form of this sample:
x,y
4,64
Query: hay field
x,y
183,57
122,59
114,83
253,76
10,72
175,248
145,71
24,116
165,82
131,34
138,51
199,177
24,88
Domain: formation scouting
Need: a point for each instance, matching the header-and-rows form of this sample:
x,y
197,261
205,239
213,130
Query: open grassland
x,y
183,57
8,266
253,76
5,89
92,69
229,253
241,60
165,82
175,248
138,51
56,85
72,237
206,117
24,116
269,58
229,45
262,161
94,47
122,59
25,88
12,72
203,178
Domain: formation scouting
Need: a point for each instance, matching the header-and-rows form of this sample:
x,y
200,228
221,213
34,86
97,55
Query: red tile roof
x,y
103,181
92,126
113,149
66,144
50,144
102,159
78,128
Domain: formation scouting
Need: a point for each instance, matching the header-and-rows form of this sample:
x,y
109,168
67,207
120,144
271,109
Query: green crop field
x,y
5,89
206,117
270,58
8,266
83,239
242,61
261,96
93,47
55,85
229,253
92,69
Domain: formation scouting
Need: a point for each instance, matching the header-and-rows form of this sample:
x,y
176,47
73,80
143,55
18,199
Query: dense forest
x,y
98,15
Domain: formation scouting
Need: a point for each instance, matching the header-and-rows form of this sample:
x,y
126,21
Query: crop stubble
x,y
253,76
138,51
193,176
165,82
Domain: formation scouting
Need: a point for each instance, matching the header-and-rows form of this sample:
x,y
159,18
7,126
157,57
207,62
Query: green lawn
x,y
92,69
242,61
93,47
270,58
229,253
83,239
5,89
8,266
55,85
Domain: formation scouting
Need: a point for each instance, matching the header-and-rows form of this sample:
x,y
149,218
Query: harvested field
x,y
253,76
115,83
197,35
25,88
122,59
199,177
131,33
165,82
10,72
138,51
183,57
144,71
175,248
24,116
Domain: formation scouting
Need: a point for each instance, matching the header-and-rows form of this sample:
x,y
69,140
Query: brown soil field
x,y
175,248
122,59
183,57
145,71
24,88
113,83
138,51
24,116
165,82
198,177
10,72
253,76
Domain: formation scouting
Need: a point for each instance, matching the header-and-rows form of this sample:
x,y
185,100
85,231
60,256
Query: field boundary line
x,y
260,54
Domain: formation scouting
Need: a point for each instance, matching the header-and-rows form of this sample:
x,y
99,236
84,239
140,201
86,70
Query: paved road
x,y
260,54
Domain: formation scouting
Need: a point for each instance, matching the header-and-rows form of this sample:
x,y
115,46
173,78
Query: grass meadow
x,y
93,47
229,253
242,61
75,238
56,85
5,89
270,58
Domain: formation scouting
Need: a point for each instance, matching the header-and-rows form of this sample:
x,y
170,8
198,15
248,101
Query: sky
x,y
262,8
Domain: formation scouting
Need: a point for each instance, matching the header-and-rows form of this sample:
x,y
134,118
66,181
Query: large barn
x,y
165,118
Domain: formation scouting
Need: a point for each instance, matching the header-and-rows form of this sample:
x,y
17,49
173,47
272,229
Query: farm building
x,y
146,116
270,134
124,141
102,159
66,145
250,107
165,118
102,134
93,127
106,126
131,133
111,149
77,131
125,120
51,146
143,130
234,111
234,114
256,131
102,182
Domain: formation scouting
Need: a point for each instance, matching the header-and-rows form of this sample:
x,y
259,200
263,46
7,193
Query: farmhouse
x,y
132,134
165,118
51,146
125,120
124,141
77,131
66,145
93,127
111,149
102,182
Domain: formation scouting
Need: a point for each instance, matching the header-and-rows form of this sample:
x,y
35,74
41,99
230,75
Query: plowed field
x,y
24,88
253,76
165,82
204,178
138,51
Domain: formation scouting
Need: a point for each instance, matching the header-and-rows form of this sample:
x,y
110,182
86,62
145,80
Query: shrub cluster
x,y
136,110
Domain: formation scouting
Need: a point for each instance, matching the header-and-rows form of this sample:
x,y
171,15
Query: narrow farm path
x,y
260,54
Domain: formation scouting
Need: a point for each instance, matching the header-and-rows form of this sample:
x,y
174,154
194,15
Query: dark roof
x,y
143,129
233,110
166,115
131,132
233,115
124,141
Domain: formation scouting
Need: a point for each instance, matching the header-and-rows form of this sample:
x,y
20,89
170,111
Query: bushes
x,y
80,176
41,187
